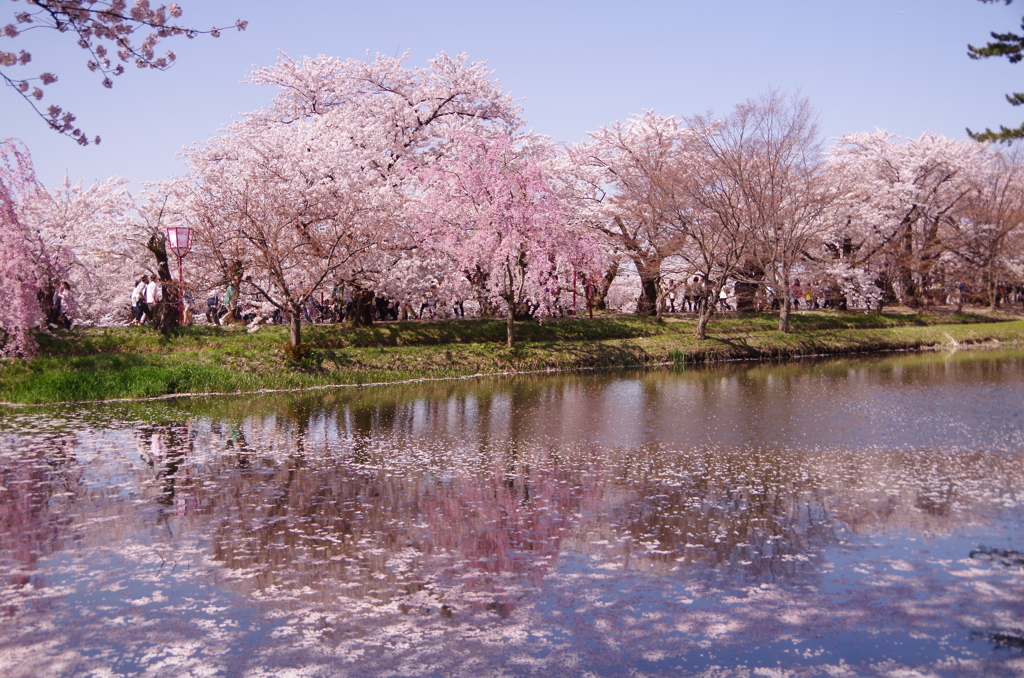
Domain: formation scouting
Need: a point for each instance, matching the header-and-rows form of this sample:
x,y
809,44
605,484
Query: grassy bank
x,y
109,363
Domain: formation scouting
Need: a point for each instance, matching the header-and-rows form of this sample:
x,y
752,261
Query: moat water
x,y
844,517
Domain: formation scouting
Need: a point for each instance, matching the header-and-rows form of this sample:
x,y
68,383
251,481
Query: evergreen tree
x,y
1011,46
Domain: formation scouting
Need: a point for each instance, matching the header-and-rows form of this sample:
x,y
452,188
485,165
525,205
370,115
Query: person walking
x,y
690,295
698,295
188,302
796,293
138,299
723,298
55,309
63,302
230,304
152,299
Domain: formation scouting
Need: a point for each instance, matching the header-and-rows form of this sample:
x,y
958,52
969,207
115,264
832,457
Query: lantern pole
x,y
179,238
181,294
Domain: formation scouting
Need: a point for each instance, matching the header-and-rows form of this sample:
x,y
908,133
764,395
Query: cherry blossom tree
x,y
719,232
629,173
312,188
491,209
278,207
985,240
215,259
113,34
87,237
20,281
395,118
767,156
900,196
154,216
577,182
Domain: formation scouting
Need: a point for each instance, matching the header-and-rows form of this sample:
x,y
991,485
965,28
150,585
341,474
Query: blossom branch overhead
x,y
114,33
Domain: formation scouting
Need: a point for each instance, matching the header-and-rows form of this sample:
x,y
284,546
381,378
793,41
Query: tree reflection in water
x,y
657,522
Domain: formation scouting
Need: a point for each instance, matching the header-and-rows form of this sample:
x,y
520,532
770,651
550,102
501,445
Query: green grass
x,y
113,363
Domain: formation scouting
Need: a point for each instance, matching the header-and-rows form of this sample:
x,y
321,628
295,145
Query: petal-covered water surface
x,y
848,517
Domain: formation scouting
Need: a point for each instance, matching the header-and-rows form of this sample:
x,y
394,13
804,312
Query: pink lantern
x,y
179,240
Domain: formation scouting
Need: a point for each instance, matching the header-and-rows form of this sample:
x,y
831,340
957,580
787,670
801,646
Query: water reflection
x,y
487,503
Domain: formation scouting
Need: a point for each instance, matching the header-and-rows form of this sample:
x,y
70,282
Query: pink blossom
x,y
19,274
490,209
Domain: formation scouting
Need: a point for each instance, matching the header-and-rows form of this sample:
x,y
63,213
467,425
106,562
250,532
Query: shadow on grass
x,y
482,330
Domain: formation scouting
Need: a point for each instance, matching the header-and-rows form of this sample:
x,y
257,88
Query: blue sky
x,y
900,65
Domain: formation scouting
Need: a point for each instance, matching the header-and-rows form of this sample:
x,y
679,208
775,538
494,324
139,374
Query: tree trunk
x,y
910,292
784,313
887,295
650,279
295,327
478,280
510,327
45,298
747,287
647,302
599,296
704,312
165,315
362,308
510,321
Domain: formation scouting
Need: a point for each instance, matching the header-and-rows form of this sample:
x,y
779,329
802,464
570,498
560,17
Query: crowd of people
x,y
340,304
691,295
145,297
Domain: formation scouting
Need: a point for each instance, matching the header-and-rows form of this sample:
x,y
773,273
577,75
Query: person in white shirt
x,y
137,300
152,298
62,302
